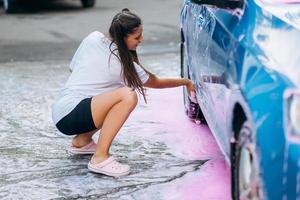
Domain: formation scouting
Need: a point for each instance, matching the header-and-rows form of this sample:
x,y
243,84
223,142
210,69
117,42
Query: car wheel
x,y
245,179
10,6
88,3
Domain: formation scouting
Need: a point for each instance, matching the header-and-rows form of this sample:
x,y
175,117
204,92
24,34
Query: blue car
x,y
243,57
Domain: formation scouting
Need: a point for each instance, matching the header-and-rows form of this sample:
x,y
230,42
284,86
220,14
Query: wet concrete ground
x,y
54,29
170,156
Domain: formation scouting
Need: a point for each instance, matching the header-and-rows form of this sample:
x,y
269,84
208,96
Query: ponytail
x,y
122,25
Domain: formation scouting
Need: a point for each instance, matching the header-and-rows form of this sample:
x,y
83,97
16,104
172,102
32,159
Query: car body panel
x,y
244,58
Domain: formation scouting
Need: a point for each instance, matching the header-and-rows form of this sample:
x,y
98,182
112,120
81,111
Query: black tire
x,y
10,6
235,164
239,144
88,3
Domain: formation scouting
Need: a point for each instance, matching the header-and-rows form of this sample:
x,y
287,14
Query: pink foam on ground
x,y
188,141
186,138
211,182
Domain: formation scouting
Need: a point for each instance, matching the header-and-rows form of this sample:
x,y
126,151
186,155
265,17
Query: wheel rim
x,y
245,173
249,184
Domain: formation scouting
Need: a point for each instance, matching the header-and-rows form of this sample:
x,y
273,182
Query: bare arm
x,y
155,82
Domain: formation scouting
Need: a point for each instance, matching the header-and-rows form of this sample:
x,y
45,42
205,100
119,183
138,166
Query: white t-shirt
x,y
93,73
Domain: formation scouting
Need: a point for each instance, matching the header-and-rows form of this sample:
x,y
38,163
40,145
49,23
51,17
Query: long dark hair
x,y
122,25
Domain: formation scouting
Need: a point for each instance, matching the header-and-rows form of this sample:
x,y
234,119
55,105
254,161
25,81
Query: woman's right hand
x,y
190,87
191,91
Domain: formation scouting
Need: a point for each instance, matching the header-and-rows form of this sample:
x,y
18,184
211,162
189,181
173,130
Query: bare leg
x,y
83,139
110,111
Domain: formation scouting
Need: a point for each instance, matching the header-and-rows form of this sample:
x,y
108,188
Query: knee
x,y
130,97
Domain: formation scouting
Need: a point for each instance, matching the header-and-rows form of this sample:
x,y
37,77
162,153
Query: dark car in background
x,y
243,57
12,6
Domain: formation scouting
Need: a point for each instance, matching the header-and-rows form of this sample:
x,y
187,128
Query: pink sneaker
x,y
109,167
90,148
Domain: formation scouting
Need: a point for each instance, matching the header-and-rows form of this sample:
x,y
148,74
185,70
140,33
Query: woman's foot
x,y
109,167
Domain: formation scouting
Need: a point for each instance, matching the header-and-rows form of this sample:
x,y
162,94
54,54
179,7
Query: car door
x,y
210,48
